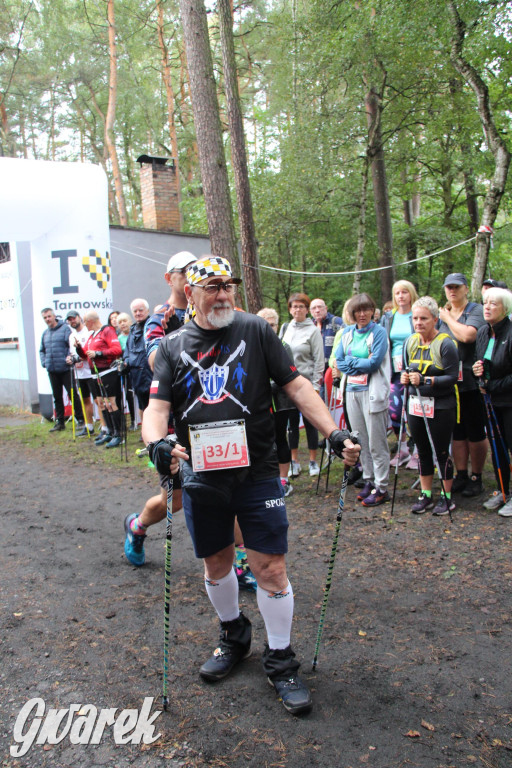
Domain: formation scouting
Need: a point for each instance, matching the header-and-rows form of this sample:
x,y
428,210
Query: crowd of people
x,y
234,387
368,353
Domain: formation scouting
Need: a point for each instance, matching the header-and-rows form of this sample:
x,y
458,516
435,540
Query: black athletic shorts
x,y
472,417
110,384
260,509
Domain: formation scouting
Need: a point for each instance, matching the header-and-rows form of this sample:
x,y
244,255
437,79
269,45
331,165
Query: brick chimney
x,y
159,193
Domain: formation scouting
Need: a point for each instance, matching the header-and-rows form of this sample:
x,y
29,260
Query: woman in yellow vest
x,y
431,366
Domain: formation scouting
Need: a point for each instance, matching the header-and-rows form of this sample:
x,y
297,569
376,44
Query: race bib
x,y
398,364
415,406
360,379
218,445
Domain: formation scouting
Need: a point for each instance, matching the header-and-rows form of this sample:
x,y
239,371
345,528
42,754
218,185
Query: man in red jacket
x,y
101,349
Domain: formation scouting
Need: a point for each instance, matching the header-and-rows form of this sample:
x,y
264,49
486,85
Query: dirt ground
x,y
414,668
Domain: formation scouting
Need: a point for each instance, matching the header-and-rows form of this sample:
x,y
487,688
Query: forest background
x,y
374,133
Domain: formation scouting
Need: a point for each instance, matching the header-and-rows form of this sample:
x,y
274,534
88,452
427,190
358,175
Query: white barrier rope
x,y
362,271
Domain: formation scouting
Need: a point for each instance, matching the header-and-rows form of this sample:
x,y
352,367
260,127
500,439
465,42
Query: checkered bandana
x,y
210,266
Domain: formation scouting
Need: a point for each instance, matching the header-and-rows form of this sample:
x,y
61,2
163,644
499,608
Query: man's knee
x,y
219,565
269,570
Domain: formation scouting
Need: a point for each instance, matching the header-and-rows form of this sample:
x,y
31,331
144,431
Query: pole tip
x,y
165,703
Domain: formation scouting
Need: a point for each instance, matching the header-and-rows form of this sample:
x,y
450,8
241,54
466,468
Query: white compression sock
x,y
223,594
277,611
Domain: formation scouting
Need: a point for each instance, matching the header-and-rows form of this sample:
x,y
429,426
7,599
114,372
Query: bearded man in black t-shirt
x,y
214,374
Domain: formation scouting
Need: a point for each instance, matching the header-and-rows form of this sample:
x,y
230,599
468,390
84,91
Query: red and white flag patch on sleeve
x,y
153,390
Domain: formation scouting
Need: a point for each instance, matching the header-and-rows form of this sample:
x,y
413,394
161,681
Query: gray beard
x,y
221,317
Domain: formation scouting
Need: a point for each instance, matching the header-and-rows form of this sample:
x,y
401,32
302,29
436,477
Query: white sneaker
x,y
287,487
506,510
295,469
495,501
314,469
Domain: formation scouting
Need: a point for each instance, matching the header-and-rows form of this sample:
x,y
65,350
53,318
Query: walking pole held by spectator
x,y
334,548
402,421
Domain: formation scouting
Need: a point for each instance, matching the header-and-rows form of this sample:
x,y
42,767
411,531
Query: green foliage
x,y
305,67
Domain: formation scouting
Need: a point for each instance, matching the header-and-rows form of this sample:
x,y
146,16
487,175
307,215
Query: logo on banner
x,y
98,267
81,724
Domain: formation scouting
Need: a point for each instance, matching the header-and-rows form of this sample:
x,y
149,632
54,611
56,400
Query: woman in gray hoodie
x,y
305,342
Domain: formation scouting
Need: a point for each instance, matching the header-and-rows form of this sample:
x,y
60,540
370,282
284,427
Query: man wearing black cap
x,y
491,283
80,334
462,318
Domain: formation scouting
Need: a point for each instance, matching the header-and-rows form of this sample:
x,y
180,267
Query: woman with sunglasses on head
x,y
431,366
362,355
307,347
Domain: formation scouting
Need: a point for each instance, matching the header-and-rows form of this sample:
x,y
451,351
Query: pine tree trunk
x,y
111,115
380,194
410,244
239,161
212,160
361,227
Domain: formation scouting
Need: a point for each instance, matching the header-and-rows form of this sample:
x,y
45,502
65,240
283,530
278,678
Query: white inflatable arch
x,y
61,211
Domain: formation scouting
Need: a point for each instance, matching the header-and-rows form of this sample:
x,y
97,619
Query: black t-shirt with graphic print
x,y
220,375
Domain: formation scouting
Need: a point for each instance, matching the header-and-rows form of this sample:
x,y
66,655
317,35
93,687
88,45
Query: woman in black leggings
x,y
431,366
283,408
493,368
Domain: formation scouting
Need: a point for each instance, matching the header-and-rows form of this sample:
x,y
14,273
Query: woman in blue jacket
x,y
363,357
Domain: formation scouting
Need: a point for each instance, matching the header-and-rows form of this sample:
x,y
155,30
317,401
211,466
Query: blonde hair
x,y
409,287
344,314
270,315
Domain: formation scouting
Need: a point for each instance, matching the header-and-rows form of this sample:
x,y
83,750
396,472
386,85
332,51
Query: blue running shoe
x,y
103,438
134,543
246,579
116,440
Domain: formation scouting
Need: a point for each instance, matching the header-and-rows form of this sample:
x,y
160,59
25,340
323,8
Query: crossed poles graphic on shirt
x,y
213,380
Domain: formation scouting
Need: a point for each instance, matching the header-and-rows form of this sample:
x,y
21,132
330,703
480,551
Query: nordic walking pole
x,y
73,401
103,392
123,418
82,404
490,414
332,409
167,588
402,421
321,464
434,453
498,430
334,549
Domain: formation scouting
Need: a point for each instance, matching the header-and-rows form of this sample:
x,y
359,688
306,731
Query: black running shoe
x,y
234,645
281,668
294,694
459,483
474,487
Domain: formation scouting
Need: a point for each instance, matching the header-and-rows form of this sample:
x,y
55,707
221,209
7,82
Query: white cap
x,y
180,260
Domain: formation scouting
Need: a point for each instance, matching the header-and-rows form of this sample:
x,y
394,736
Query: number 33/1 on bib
x,y
218,445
